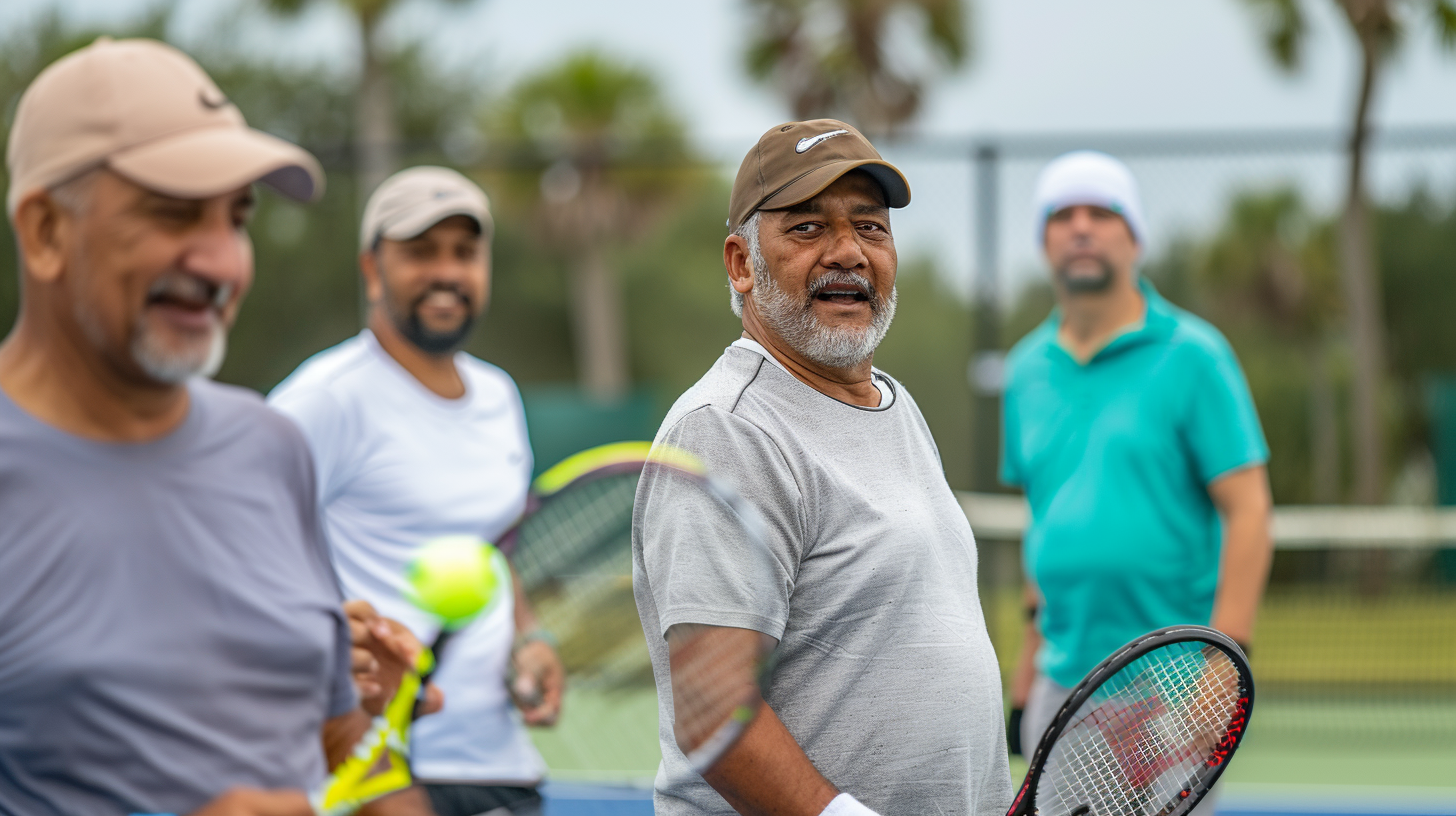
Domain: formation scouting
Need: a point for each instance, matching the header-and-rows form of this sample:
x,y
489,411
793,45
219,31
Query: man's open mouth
x,y
844,289
188,293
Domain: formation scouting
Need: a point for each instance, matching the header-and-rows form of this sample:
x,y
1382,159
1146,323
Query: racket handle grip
x,y
846,805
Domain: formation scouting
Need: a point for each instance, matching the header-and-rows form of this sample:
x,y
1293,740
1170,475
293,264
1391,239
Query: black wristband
x,y
1013,732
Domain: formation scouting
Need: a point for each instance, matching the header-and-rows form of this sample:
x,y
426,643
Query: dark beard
x,y
433,342
1081,285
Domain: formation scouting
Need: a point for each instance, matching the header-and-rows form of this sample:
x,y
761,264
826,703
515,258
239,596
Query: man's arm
x,y
766,773
540,678
1025,673
1244,504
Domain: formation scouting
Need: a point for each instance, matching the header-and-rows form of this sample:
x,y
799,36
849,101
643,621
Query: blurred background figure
x,y
413,440
1130,427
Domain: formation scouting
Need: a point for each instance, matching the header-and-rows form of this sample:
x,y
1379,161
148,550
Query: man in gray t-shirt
x,y
886,697
171,636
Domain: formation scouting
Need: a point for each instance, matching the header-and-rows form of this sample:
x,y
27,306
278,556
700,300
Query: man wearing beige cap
x,y
414,440
886,697
171,638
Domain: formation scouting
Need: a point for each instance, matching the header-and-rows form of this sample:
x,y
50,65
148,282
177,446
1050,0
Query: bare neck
x,y
855,386
435,372
61,381
1091,320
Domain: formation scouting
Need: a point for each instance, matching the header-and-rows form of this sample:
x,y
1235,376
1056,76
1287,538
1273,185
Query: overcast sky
x,y
1040,66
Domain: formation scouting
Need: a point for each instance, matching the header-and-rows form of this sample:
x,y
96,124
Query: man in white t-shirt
x,y
413,440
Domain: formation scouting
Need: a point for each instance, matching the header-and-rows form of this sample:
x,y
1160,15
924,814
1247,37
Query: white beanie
x,y
1089,177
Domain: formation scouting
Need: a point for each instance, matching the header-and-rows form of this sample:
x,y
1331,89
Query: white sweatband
x,y
846,805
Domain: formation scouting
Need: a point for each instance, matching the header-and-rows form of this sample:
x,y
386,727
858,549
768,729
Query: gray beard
x,y
176,368
154,359
798,326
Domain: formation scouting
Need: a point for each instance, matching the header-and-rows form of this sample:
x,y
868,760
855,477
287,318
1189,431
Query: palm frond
x,y
1284,28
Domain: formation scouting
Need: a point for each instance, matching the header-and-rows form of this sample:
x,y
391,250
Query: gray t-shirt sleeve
x,y
343,697
699,563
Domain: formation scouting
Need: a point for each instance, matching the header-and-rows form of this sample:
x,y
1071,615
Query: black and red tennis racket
x,y
1147,732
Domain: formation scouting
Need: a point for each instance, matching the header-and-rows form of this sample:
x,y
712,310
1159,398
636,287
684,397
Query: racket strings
x,y
574,527
1143,737
714,683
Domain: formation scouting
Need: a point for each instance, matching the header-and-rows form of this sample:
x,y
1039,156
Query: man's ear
x,y
738,263
43,229
369,269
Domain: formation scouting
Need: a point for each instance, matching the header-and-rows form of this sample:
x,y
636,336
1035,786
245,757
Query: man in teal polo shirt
x,y
1130,427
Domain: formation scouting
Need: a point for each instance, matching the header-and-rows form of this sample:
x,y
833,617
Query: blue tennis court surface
x,y
569,799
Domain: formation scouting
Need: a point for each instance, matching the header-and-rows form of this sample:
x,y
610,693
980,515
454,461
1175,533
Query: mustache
x,y
846,278
189,289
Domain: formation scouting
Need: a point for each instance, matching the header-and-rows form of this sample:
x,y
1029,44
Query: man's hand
x,y
384,649
253,802
537,682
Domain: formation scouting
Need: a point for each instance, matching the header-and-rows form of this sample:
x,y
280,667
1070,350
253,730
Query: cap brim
x,y
423,219
211,161
897,189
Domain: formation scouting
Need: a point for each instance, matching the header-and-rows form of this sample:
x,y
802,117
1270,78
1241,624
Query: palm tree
x,y
832,57
1272,263
1377,26
595,153
376,131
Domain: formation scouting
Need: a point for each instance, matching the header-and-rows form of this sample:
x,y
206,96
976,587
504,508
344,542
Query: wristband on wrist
x,y
537,634
846,805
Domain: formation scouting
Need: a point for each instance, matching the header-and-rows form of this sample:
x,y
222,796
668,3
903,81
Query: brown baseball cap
x,y
795,161
150,113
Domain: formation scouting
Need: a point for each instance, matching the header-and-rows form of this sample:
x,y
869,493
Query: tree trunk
x,y
1360,277
598,320
376,135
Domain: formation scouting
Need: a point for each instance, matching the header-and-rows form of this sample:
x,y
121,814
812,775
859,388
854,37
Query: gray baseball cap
x,y
411,201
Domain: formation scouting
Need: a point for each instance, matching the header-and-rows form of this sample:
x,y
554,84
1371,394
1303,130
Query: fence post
x,y
987,360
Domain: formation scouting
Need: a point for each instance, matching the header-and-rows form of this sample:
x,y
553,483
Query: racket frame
x,y
641,457
1023,804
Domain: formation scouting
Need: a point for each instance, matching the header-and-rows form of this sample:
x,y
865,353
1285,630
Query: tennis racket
x,y
379,763
1147,732
572,553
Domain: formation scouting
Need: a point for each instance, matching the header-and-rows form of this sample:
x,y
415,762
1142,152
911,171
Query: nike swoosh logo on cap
x,y
809,141
212,103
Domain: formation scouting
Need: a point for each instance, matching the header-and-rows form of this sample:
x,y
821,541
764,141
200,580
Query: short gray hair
x,y
748,231
74,194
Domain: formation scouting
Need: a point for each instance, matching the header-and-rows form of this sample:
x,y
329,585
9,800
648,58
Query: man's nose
x,y
220,251
844,250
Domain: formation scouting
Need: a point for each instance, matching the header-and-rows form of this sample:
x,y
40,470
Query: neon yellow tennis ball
x,y
454,577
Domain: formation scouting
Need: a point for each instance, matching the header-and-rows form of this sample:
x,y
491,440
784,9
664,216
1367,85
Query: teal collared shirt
x,y
1115,456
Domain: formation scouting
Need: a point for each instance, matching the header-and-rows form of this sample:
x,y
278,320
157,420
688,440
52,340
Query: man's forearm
x,y
768,774
1247,553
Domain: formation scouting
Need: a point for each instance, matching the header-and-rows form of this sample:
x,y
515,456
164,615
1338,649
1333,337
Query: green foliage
x,y
829,57
928,349
1284,28
1268,278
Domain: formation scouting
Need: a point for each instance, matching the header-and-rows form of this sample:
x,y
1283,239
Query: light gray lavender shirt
x,y
885,675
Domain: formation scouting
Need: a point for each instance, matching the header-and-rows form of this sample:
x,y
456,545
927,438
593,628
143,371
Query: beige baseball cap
x,y
411,201
150,113
795,161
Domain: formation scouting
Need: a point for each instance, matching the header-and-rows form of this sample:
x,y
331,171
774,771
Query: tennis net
x,y
1356,638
